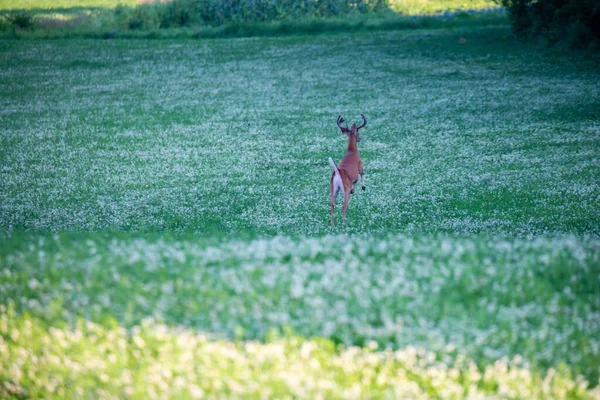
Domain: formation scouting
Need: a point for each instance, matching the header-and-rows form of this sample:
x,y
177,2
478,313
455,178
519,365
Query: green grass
x,y
156,361
68,26
176,192
485,136
428,7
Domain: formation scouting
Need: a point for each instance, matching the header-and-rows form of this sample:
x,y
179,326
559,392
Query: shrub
x,y
178,13
576,22
216,13
4,24
22,20
219,12
144,16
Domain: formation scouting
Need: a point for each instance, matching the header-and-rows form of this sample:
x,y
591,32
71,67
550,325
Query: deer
x,y
345,175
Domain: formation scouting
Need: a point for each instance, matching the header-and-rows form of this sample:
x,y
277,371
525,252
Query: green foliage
x,y
20,20
221,12
576,22
4,24
211,18
395,290
407,7
62,4
172,14
136,18
157,361
148,25
178,13
185,13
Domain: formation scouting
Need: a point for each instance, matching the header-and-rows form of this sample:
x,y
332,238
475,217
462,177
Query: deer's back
x,y
349,164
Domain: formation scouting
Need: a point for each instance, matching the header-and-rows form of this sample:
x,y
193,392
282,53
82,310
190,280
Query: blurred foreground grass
x,y
106,315
157,362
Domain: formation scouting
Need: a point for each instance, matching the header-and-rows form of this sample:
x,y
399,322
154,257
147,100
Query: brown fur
x,y
349,168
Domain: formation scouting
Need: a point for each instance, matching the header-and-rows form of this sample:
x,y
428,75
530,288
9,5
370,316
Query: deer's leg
x,y
361,172
332,207
346,201
332,196
335,186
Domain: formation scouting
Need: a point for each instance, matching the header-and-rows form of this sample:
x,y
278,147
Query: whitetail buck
x,y
345,175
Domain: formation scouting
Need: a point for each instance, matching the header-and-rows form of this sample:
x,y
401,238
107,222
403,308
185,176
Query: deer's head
x,y
353,130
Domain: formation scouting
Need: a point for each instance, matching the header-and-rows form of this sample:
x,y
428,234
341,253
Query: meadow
x,y
165,228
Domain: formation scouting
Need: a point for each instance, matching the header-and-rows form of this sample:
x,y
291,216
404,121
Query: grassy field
x,y
164,215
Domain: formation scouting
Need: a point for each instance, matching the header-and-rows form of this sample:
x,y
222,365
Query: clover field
x,y
164,218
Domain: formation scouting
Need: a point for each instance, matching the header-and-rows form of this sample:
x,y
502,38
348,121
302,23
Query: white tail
x,y
337,172
337,180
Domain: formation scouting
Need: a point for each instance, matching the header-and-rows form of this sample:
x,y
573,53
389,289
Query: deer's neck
x,y
352,147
